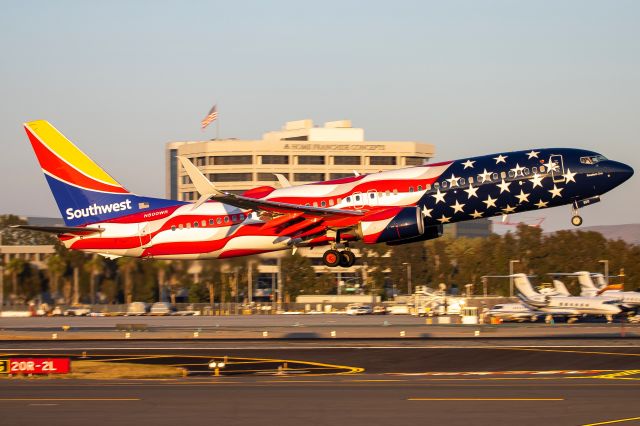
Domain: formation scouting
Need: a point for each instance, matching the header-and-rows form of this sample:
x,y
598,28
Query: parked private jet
x,y
563,305
589,288
394,207
513,312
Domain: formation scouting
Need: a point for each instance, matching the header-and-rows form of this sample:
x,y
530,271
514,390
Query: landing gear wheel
x,y
331,258
576,220
347,258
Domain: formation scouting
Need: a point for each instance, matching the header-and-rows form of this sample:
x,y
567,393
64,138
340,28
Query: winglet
x,y
200,181
284,182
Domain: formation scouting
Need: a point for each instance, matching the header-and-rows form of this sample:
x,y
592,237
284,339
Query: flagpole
x,y
217,124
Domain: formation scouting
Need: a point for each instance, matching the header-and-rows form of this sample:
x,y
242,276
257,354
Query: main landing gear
x,y
344,258
576,219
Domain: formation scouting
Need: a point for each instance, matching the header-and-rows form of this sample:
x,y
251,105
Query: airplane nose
x,y
622,171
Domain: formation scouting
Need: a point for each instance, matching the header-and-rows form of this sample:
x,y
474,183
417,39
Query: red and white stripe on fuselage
x,y
389,188
210,231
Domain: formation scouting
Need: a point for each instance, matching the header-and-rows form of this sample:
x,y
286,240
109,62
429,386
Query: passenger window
x,y
241,216
503,175
323,203
226,219
436,185
211,221
494,176
348,200
387,192
428,186
234,218
542,169
339,200
180,226
419,187
395,191
525,171
189,225
511,174
411,189
173,227
331,202
196,224
219,220
357,198
315,204
534,169
372,195
461,182
204,222
445,185
470,179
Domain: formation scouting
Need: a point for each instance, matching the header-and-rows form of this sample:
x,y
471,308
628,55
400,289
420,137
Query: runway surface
x,y
378,382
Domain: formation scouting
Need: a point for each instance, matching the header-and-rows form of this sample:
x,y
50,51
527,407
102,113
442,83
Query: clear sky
x,y
121,78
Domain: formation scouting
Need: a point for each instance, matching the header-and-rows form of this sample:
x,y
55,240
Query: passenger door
x,y
556,168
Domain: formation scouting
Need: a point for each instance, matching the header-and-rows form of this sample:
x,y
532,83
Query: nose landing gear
x,y
576,219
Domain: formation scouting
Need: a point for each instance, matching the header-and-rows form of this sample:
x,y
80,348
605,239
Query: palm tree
x,y
126,265
95,267
162,267
56,266
15,267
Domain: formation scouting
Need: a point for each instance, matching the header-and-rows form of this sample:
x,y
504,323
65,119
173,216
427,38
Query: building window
x,y
231,177
311,159
346,160
270,177
201,161
173,173
414,161
275,159
308,177
340,175
383,160
186,180
230,160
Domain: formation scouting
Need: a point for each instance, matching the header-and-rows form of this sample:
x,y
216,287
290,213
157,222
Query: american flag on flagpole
x,y
211,117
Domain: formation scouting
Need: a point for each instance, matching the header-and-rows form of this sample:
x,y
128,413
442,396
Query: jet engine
x,y
397,225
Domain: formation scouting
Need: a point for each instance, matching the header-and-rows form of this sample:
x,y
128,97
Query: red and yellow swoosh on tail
x,y
60,158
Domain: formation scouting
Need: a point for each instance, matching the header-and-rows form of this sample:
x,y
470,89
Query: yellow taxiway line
x,y
609,422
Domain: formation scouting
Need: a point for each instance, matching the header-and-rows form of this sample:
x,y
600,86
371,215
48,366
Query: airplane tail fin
x,y
523,285
84,192
561,289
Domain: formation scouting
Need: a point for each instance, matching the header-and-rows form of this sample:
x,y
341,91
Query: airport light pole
x,y
1,273
606,270
511,263
408,277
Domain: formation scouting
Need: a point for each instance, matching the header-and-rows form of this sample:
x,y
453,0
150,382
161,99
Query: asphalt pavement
x,y
339,382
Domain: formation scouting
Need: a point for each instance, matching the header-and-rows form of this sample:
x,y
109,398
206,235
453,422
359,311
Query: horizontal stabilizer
x,y
75,230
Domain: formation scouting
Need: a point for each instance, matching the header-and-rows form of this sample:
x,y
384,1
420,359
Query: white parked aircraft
x,y
594,285
513,312
563,305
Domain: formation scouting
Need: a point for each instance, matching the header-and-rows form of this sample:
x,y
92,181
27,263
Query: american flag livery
x,y
394,207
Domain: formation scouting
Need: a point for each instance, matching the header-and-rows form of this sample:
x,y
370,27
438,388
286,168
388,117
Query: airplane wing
x,y
278,207
208,191
75,230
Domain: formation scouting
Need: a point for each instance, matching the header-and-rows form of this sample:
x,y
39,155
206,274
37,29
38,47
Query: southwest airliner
x,y
394,207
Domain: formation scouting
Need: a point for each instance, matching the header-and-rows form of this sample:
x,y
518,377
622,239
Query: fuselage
x,y
429,195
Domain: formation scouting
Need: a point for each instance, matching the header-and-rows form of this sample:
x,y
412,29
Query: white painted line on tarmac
x,y
192,348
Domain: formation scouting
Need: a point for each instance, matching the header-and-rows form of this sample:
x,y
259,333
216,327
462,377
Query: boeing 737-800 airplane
x,y
394,207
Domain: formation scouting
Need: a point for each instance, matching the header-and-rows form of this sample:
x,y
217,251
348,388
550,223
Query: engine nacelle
x,y
393,225
430,233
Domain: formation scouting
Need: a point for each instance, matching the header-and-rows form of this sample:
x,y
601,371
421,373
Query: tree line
x,y
73,277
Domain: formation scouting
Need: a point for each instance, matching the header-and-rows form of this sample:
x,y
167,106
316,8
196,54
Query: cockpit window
x,y
592,159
